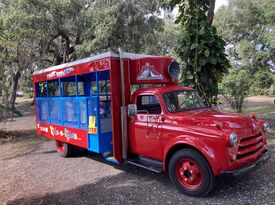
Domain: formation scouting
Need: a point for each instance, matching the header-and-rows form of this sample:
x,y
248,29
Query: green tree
x,y
249,29
235,87
168,37
131,25
18,48
262,83
200,49
41,33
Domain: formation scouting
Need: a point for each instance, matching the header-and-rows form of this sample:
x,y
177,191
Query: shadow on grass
x,y
16,144
14,136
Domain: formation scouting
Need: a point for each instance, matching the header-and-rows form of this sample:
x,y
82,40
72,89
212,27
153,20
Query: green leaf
x,y
189,77
206,53
202,61
213,60
194,45
202,31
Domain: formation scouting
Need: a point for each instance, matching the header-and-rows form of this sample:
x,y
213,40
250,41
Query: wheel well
x,y
178,147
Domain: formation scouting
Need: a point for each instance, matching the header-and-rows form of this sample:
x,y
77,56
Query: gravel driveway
x,y
31,172
40,176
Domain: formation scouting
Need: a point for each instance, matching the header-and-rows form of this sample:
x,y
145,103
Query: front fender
x,y
199,145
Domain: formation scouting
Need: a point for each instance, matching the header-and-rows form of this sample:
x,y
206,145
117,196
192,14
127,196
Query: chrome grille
x,y
250,145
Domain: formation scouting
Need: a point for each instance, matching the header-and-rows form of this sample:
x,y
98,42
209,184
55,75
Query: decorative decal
x,y
42,128
91,121
60,73
72,135
66,133
92,128
148,72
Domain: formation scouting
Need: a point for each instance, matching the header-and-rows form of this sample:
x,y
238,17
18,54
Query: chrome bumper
x,y
248,168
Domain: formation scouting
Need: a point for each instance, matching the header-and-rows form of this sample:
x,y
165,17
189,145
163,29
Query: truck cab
x,y
172,127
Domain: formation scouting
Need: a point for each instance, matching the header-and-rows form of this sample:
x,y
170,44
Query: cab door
x,y
145,128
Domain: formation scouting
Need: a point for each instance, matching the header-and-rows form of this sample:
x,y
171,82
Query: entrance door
x,y
145,128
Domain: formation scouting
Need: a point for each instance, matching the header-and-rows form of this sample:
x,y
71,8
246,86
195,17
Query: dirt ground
x,y
31,172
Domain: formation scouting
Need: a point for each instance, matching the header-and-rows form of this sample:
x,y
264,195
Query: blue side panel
x,y
106,145
42,110
82,106
69,112
75,111
93,143
93,139
54,105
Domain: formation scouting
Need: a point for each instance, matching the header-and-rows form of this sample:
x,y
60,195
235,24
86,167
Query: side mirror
x,y
132,110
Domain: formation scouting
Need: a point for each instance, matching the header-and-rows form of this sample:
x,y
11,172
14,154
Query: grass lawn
x,y
265,111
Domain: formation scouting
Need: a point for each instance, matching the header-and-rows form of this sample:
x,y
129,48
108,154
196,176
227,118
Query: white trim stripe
x,y
109,54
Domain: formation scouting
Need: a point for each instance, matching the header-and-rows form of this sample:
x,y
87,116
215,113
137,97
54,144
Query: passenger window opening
x,y
41,89
149,103
68,89
53,89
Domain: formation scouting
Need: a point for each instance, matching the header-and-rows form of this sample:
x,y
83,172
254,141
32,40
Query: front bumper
x,y
248,168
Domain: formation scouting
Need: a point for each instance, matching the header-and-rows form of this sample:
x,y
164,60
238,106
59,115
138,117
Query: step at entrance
x,y
147,163
112,160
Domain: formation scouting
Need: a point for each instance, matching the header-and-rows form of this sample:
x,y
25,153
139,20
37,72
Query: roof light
x,y
174,70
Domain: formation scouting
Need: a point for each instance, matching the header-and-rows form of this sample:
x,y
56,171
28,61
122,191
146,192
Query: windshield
x,y
180,100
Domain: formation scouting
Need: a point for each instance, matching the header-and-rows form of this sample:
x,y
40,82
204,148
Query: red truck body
x,y
193,143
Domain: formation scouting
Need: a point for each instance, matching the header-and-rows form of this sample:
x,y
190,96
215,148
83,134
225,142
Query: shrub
x,y
235,87
263,83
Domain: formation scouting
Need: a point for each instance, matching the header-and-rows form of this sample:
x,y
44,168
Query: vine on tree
x,y
200,49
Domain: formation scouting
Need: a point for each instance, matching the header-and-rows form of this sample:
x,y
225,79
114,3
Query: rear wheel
x,y
191,173
63,149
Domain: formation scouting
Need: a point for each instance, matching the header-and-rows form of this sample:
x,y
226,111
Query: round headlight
x,y
266,126
232,139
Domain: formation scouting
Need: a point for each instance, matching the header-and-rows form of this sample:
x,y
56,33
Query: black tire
x,y
202,173
64,149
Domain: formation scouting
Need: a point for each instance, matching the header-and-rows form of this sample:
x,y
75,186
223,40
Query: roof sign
x,y
148,72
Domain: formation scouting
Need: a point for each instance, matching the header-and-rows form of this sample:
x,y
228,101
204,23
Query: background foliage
x,y
41,33
200,49
235,87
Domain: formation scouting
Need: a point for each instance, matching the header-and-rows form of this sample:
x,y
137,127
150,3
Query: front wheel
x,y
63,149
191,173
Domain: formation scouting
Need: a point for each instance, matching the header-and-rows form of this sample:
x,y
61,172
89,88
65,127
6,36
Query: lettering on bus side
x,y
60,73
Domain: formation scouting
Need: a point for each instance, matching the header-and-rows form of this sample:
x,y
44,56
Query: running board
x,y
147,163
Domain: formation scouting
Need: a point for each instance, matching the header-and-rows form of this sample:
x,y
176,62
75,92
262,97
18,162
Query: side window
x,y
53,89
149,103
69,89
81,88
41,89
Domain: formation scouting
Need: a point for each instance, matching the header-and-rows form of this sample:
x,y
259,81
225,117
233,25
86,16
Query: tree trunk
x,y
210,15
6,105
12,98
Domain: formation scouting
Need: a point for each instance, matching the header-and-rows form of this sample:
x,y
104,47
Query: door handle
x,y
162,119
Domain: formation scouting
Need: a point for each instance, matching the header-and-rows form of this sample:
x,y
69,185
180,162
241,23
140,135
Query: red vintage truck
x,y
130,109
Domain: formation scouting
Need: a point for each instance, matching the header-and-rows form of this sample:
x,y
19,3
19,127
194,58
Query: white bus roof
x,y
108,54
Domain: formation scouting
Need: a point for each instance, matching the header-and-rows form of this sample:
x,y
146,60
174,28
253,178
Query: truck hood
x,y
213,118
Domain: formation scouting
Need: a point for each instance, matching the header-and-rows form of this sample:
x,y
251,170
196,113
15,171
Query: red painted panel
x,y
94,66
151,70
115,88
65,134
140,143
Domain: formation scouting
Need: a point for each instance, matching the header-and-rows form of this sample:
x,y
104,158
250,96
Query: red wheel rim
x,y
60,146
189,173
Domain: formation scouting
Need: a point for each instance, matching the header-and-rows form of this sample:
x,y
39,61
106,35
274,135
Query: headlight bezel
x,y
233,139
